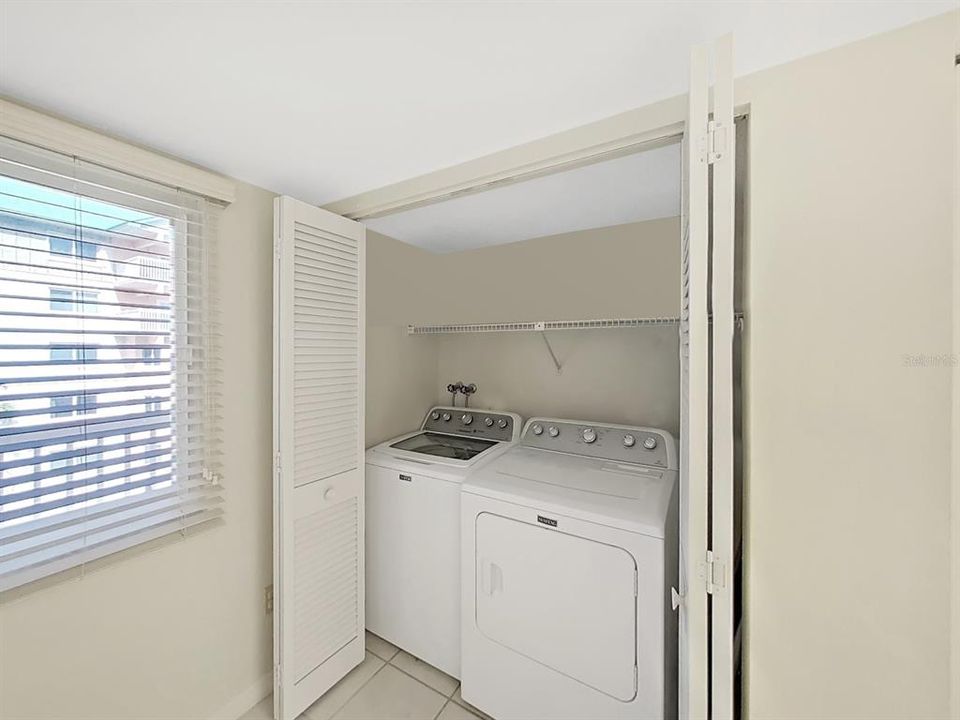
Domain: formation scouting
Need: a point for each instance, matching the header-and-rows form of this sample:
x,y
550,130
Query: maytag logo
x,y
546,521
406,478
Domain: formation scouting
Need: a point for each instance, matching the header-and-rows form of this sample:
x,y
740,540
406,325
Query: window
x,y
62,246
68,356
108,410
71,354
67,300
61,300
61,405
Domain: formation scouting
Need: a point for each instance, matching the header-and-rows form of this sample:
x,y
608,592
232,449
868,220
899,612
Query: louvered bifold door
x,y
706,423
722,155
694,409
319,443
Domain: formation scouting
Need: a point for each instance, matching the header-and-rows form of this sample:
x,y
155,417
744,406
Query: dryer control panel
x,y
472,422
619,443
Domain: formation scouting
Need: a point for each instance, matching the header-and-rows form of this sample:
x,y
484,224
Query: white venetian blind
x,y
109,395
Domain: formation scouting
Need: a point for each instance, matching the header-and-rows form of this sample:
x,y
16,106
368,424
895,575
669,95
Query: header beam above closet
x,y
650,126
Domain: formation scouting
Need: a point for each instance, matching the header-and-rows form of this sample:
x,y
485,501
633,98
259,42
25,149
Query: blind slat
x,y
91,376
92,406
86,466
69,237
85,302
46,505
84,421
96,390
68,485
83,435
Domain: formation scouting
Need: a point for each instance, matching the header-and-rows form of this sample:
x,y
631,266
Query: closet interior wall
x,y
624,375
401,369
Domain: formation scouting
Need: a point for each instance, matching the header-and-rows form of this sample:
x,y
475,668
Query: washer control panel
x,y
473,422
647,446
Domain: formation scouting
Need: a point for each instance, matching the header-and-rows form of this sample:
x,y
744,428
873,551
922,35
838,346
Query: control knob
x,y
629,441
650,443
434,415
589,435
488,422
446,417
466,418
553,430
502,423
537,429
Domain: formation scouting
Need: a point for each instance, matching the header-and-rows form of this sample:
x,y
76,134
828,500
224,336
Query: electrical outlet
x,y
268,599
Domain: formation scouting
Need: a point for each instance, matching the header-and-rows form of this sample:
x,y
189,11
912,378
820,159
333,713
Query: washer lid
x,y
444,468
454,447
624,495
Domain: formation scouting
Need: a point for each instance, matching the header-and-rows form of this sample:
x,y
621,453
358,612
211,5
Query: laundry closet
x,y
596,293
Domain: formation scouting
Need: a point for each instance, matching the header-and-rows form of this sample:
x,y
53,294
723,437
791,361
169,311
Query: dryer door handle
x,y
491,577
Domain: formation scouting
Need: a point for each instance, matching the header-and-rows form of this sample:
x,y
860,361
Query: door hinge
x,y
276,465
277,676
712,571
277,245
714,146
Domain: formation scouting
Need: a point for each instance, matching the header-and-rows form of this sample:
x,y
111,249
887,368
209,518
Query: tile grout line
x,y
448,697
336,712
442,708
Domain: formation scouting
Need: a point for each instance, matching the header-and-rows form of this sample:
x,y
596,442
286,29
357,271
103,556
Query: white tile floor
x,y
388,685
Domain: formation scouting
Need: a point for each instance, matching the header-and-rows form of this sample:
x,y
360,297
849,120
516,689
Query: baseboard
x,y
245,700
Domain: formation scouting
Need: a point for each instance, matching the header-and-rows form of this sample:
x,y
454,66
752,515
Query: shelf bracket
x,y
553,356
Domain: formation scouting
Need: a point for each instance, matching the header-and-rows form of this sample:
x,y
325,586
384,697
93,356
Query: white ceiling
x,y
324,100
642,186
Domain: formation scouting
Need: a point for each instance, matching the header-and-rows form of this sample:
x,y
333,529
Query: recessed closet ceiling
x,y
641,186
324,100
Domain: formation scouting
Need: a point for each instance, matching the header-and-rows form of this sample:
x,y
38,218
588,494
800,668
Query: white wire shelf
x,y
541,326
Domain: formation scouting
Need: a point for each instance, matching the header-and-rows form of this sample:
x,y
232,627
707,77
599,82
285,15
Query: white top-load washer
x,y
569,551
413,527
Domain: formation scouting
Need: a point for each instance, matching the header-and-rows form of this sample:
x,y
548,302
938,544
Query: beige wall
x,y
629,376
401,373
848,493
177,630
620,271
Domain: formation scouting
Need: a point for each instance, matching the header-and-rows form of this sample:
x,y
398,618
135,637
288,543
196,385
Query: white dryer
x,y
569,551
413,527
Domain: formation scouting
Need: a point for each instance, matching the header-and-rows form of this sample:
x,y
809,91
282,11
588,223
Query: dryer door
x,y
566,602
